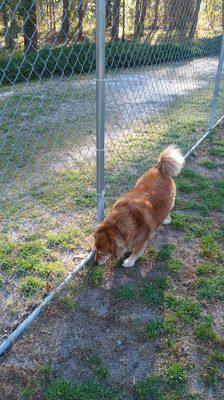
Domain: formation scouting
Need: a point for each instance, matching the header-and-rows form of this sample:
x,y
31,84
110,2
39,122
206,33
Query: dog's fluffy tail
x,y
170,161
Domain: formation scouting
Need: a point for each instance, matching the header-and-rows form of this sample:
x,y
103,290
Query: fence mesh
x,y
161,62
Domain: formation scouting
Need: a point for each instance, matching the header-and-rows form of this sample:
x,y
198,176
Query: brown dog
x,y
137,215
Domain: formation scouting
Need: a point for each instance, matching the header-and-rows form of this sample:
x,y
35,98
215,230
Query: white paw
x,y
167,221
129,262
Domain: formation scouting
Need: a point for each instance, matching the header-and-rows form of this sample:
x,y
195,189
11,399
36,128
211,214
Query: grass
x,y
31,285
175,265
69,302
61,389
153,292
204,330
169,385
68,239
154,329
210,248
186,309
166,252
212,287
209,164
175,374
99,368
126,292
95,275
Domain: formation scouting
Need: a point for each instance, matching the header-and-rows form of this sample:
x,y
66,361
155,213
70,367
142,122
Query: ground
x,y
154,331
47,161
151,332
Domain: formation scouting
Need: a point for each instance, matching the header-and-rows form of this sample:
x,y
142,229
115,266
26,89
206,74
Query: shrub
x,y
80,58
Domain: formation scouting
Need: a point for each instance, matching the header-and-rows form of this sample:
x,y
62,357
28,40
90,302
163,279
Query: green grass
x,y
211,373
69,302
169,385
61,389
99,368
68,239
175,374
209,164
185,308
30,285
126,292
154,329
153,292
206,269
175,265
217,151
212,287
95,275
150,387
193,226
205,332
166,252
210,248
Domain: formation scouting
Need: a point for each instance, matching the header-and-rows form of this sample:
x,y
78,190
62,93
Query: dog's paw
x,y
129,262
167,221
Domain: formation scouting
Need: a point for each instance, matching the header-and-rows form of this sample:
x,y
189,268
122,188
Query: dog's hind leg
x,y
137,252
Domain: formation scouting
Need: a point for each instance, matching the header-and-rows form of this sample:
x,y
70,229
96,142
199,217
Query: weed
x,y
29,393
1,281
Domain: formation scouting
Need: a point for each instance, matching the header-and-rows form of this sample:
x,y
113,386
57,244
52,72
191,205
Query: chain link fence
x,y
161,60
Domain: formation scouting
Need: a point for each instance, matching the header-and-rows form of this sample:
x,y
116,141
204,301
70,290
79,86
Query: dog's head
x,y
108,244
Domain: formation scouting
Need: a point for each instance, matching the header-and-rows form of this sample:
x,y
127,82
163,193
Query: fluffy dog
x,y
137,215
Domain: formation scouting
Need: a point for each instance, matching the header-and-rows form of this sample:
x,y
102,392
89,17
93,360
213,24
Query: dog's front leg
x,y
137,252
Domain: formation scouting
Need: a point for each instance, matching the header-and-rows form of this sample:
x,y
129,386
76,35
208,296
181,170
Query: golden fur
x,y
137,214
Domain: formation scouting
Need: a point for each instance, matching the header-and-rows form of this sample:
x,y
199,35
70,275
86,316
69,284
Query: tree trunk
x,y
140,13
142,17
154,26
108,13
223,14
30,26
123,20
116,17
63,34
178,17
195,19
137,17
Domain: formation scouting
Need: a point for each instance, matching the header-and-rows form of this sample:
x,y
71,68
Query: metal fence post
x,y
100,104
216,89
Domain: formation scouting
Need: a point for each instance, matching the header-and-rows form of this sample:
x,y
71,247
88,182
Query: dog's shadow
x,y
145,269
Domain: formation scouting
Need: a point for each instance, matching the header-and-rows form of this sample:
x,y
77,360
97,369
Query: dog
x,y
138,214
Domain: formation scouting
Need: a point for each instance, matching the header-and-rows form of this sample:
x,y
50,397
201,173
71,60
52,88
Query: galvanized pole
x,y
212,123
100,104
216,89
